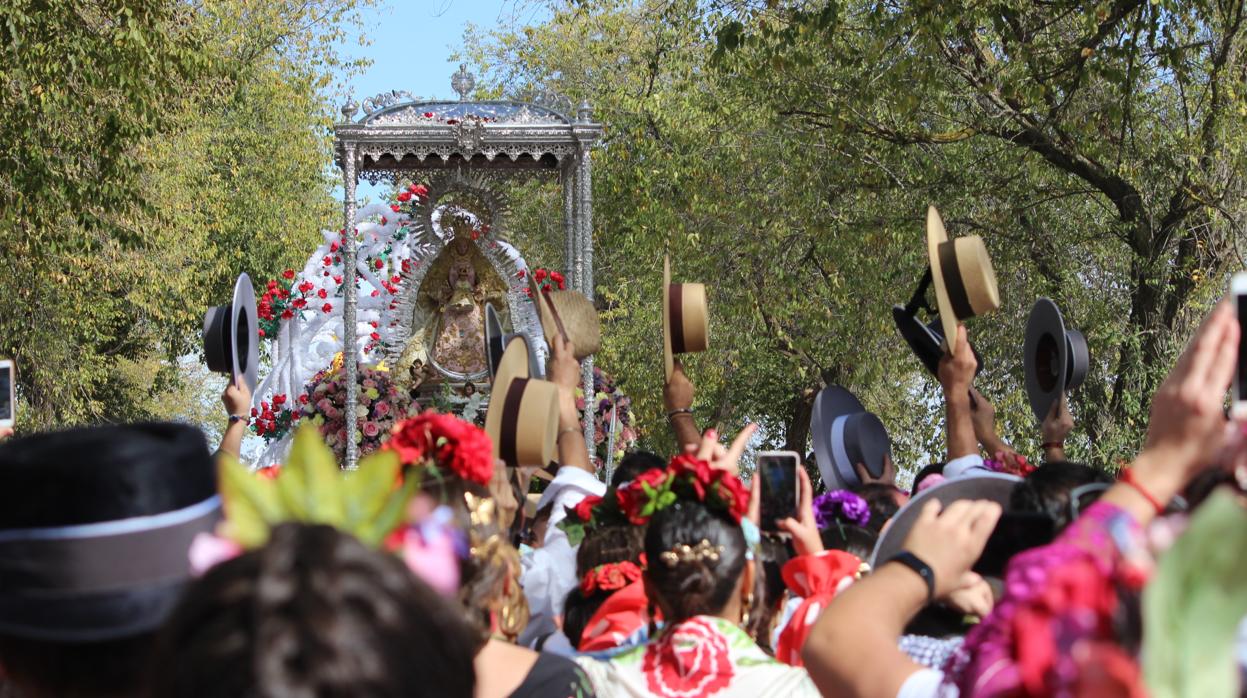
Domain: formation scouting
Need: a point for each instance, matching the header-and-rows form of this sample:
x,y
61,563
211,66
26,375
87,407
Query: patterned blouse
x,y
702,656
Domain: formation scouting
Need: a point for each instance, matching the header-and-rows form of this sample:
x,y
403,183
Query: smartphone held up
x,y
8,402
1238,289
780,491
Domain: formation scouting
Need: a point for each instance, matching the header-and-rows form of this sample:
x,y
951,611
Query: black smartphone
x,y
778,470
7,406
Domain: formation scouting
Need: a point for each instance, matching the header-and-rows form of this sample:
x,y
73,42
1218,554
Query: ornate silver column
x,y
567,177
350,355
584,261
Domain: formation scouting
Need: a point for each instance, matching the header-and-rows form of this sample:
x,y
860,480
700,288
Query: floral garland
x,y
611,576
609,399
686,478
273,422
833,507
275,304
443,442
547,280
381,405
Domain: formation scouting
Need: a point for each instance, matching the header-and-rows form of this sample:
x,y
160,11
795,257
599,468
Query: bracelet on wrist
x,y
1048,445
567,430
1128,478
245,419
682,410
919,567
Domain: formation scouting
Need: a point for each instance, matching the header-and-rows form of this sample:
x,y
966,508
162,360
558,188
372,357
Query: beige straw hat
x,y
523,415
685,318
570,314
965,283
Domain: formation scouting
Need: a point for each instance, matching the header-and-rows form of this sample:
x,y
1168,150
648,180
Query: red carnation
x,y
286,314
395,208
539,275
376,293
333,246
404,196
375,336
328,307
419,190
303,399
428,115
289,274
327,260
299,303
520,274
380,264
279,399
306,286
322,293
584,510
261,332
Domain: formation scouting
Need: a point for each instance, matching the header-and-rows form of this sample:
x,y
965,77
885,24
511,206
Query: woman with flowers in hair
x,y
700,577
457,469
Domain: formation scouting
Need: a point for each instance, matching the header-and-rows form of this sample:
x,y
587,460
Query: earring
x,y
744,616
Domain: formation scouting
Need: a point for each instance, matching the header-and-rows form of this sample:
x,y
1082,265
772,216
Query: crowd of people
x,y
132,564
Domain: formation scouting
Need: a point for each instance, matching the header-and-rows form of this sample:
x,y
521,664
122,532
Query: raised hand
x,y
804,529
720,456
956,372
951,540
1055,428
237,398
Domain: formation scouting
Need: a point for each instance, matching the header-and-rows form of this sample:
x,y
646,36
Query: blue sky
x,y
412,41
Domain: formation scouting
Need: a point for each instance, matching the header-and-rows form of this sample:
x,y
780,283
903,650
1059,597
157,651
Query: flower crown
x,y
611,576
443,442
686,479
840,505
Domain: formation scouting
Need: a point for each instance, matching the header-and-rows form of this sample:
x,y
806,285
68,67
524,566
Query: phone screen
x,y
6,392
779,489
1240,303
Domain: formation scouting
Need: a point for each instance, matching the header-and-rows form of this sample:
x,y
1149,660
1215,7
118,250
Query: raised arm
x,y
1055,428
677,398
564,372
956,377
237,401
852,649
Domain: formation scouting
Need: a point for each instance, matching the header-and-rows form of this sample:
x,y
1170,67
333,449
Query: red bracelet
x,y
1127,477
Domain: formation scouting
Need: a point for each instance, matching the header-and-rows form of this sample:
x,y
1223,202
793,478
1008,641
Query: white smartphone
x,y
780,493
1238,288
8,401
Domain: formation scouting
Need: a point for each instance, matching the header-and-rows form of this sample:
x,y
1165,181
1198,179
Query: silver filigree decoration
x,y
470,133
462,82
349,110
386,99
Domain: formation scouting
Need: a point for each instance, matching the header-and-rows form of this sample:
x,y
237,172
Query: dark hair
x,y
634,464
603,545
926,472
881,498
74,670
1047,490
697,587
854,540
314,613
768,591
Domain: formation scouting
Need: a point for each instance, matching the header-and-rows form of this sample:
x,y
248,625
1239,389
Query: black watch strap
x,y
921,568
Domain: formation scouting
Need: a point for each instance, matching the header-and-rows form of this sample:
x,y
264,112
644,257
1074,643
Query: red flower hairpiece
x,y
612,576
686,478
444,441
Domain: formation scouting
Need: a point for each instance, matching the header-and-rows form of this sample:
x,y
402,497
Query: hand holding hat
x,y
965,282
1054,357
569,314
685,319
230,339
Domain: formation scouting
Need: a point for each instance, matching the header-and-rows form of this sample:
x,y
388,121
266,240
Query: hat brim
x,y
538,409
1045,336
668,358
994,487
832,402
245,333
495,342
926,344
936,234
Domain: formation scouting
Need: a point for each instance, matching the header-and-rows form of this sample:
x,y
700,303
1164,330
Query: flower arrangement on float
x,y
381,404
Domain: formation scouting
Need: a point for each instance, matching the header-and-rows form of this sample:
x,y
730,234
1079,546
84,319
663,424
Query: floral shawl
x,y
702,656
1052,633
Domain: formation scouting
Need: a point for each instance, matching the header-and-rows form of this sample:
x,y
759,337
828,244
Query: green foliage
x,y
785,153
312,489
1193,605
152,151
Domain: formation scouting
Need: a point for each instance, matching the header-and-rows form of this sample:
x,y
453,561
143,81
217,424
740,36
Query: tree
x,y
151,151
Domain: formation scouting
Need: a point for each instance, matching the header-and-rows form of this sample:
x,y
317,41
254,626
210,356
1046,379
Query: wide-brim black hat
x,y
846,434
230,335
1014,532
926,340
1054,357
96,526
496,340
